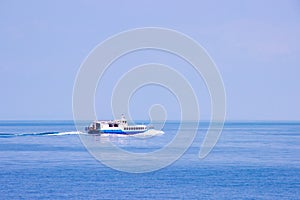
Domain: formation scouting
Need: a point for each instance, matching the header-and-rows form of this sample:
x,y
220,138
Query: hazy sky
x,y
255,45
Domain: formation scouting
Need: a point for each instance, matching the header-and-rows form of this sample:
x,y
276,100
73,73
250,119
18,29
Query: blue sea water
x,y
252,160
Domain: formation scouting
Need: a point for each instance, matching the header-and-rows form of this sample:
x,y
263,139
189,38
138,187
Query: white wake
x,y
149,133
68,133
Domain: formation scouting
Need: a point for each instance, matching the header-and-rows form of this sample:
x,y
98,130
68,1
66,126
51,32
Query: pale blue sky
x,y
255,45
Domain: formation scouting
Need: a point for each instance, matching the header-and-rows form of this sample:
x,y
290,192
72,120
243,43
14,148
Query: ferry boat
x,y
119,126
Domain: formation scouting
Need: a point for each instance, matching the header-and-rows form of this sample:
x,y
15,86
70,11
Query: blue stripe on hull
x,y
115,132
121,132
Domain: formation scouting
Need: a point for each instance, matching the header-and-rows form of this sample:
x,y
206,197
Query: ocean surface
x,y
252,160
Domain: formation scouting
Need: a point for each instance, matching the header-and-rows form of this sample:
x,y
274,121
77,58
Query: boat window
x,y
97,125
115,125
110,125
